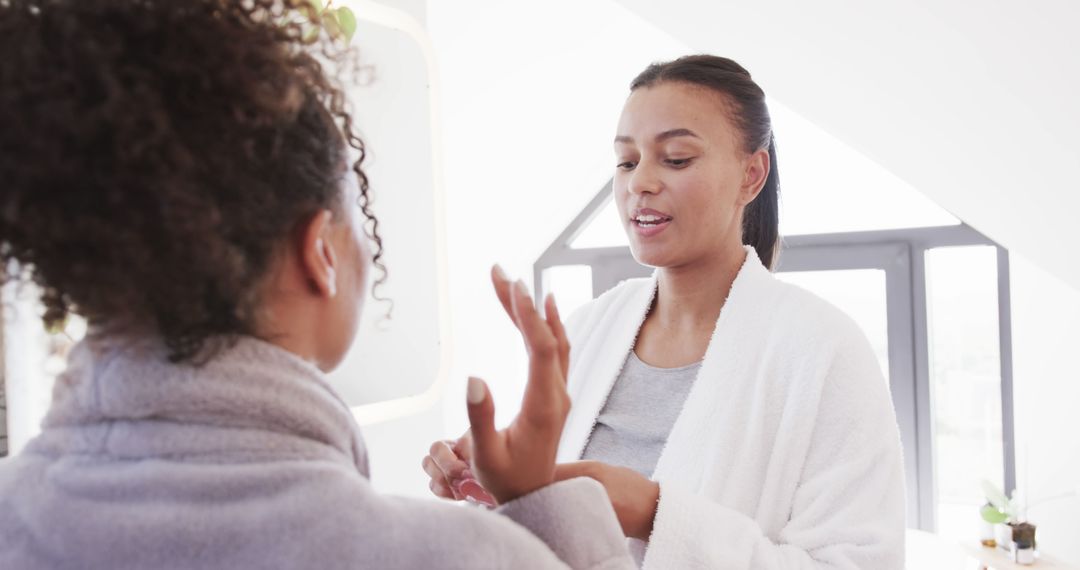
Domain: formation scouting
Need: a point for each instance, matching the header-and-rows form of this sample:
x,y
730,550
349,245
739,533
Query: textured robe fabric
x,y
250,461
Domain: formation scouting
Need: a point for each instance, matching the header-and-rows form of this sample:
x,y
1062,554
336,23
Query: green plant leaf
x,y
995,496
330,22
311,34
315,14
991,515
347,22
1014,506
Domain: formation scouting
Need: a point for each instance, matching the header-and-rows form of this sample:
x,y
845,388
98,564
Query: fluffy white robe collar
x,y
786,453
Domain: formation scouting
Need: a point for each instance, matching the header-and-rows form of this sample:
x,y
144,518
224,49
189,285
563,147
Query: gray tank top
x,y
636,419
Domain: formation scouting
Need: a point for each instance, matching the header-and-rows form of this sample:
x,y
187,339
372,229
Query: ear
x,y
757,171
318,260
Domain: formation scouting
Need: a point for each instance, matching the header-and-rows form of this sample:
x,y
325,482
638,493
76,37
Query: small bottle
x,y
986,532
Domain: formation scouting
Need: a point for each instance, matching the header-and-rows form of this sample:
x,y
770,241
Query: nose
x,y
644,180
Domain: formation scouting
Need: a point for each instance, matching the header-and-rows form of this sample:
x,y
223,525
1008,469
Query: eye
x,y
625,165
679,162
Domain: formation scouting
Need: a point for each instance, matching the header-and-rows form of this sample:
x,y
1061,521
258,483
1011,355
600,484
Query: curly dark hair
x,y
153,154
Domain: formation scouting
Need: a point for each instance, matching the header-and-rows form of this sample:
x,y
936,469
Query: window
x,y
965,380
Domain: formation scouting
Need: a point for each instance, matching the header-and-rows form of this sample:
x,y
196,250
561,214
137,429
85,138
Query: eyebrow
x,y
669,134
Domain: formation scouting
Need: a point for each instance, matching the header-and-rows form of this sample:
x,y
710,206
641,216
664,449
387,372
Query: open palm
x,y
520,458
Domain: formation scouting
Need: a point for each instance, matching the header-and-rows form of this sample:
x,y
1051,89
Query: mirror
x,y
398,362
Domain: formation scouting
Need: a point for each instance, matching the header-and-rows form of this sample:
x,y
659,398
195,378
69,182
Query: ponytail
x,y
761,219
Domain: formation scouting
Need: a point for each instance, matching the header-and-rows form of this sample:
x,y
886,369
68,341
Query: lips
x,y
648,222
649,216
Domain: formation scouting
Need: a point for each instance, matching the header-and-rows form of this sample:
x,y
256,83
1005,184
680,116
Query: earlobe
x,y
331,273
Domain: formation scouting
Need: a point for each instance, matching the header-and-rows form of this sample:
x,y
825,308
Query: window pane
x,y
965,381
572,286
858,292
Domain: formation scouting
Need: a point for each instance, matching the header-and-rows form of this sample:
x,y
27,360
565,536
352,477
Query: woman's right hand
x,y
448,466
520,459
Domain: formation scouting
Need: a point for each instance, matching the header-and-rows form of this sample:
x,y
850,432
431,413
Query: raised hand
x,y
503,290
449,463
520,459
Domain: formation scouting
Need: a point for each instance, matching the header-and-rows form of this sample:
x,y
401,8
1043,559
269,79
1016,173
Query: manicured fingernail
x,y
475,392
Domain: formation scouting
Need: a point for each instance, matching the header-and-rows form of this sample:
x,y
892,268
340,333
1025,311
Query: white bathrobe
x,y
786,453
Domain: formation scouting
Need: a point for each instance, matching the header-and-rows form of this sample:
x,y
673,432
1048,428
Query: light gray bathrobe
x,y
251,461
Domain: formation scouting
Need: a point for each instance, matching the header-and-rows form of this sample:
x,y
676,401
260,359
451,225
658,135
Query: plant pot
x,y
1023,535
1003,536
1020,535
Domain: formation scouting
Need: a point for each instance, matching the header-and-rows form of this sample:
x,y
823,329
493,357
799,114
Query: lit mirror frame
x,y
377,412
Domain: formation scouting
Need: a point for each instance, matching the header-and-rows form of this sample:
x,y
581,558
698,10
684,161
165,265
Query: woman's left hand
x,y
633,496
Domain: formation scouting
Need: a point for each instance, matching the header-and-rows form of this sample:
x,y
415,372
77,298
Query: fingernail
x,y
475,392
500,273
520,284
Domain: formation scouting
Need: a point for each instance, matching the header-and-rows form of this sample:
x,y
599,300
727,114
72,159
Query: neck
x,y
689,297
286,321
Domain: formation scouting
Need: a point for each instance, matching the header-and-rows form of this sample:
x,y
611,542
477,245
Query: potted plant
x,y
339,22
1010,531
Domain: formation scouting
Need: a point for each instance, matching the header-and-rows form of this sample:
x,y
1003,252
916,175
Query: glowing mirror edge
x,y
377,412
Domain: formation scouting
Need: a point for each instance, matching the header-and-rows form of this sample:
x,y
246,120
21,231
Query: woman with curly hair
x,y
178,174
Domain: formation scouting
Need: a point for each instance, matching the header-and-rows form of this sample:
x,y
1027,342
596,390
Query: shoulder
x,y
806,342
802,316
809,325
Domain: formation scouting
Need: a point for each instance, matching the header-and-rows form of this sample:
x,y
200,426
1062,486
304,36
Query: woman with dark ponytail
x,y
736,421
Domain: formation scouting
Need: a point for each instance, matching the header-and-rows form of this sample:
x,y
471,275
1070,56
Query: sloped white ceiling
x,y
975,104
